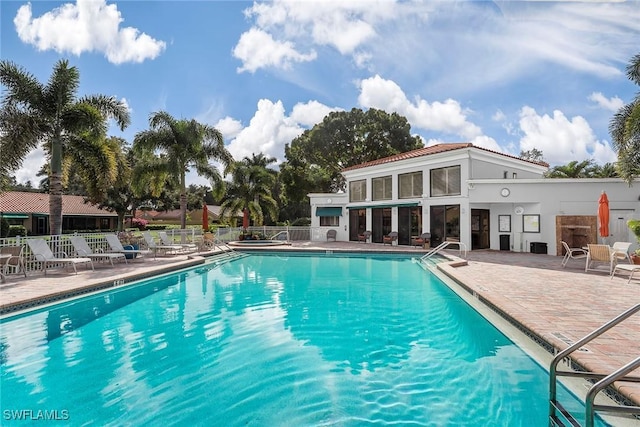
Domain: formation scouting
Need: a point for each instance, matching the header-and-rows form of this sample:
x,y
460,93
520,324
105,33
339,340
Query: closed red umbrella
x,y
205,217
245,218
603,215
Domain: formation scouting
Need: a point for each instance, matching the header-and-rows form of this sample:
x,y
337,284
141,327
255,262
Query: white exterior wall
x,y
550,198
329,200
529,191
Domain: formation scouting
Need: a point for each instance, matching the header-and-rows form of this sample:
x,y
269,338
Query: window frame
x,y
385,188
447,181
414,187
362,191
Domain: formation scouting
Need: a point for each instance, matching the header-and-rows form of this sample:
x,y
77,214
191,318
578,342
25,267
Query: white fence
x,y
61,245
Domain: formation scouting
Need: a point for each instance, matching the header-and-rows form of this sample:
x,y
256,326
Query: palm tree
x,y
573,169
251,187
70,129
624,128
181,145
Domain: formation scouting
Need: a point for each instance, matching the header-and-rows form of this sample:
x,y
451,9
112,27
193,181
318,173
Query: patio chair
x,y
421,240
621,250
390,238
166,240
43,254
365,236
600,254
116,246
153,246
331,235
572,253
82,249
15,260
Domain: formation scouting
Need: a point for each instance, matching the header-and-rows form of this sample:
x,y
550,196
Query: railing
x,y
556,409
462,248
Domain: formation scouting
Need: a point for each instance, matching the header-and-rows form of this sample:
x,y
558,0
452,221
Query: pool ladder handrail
x,y
604,380
276,236
462,248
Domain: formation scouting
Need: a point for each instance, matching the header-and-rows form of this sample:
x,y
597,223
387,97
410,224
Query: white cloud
x,y
611,104
30,167
87,26
228,127
562,140
447,116
257,49
310,113
268,132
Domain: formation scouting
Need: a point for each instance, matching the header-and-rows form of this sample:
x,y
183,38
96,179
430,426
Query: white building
x,y
482,198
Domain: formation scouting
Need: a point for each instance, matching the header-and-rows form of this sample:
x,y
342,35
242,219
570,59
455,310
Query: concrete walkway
x,y
557,305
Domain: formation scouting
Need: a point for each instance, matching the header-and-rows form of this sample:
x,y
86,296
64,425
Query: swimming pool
x,y
272,339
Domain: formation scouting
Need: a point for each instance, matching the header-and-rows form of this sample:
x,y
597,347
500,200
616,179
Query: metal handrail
x,y
618,375
275,236
461,247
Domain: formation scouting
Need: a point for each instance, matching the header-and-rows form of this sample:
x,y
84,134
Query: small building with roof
x,y
31,210
484,199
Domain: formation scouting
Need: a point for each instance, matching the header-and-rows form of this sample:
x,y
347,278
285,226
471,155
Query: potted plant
x,y
634,226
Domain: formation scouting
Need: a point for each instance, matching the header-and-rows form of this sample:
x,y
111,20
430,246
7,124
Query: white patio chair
x,y
82,249
572,253
166,249
621,250
166,241
116,246
43,254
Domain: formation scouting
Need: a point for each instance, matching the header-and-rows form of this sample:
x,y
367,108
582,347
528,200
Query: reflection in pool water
x,y
274,339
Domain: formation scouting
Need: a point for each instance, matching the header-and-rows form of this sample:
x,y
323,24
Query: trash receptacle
x,y
538,248
505,242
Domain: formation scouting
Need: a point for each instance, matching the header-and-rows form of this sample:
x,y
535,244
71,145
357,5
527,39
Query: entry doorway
x,y
409,223
445,223
357,223
480,229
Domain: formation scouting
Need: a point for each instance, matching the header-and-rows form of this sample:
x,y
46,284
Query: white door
x,y
618,229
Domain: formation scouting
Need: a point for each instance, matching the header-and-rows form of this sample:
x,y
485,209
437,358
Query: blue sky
x,y
505,75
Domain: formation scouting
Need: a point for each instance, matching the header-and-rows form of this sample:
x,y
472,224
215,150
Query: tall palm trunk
x,y
55,188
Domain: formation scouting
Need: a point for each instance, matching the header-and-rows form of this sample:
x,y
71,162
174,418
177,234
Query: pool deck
x,y
557,305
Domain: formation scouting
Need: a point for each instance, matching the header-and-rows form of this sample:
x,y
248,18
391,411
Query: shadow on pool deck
x,y
533,290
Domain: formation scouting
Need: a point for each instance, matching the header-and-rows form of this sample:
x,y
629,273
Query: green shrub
x,y
17,230
301,222
156,227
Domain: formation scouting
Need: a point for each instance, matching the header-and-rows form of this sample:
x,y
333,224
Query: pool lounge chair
x,y
15,260
572,253
331,235
631,268
82,249
390,238
603,254
43,254
166,241
153,246
116,246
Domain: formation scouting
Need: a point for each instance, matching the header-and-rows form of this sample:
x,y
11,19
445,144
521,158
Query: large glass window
x,y
445,224
358,191
410,185
381,188
445,181
329,221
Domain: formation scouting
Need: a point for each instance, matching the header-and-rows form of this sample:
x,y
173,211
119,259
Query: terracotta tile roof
x,y
38,203
434,149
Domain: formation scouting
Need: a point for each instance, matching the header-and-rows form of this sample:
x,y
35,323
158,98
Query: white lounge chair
x,y
621,250
166,241
116,246
572,253
152,245
83,250
43,254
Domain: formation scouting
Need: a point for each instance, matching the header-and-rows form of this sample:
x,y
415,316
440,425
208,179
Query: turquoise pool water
x,y
271,340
